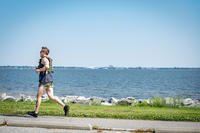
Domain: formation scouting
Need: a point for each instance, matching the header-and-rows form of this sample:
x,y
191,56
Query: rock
x,y
25,98
188,102
140,100
28,98
70,99
147,100
130,98
82,100
9,98
197,103
45,97
127,101
3,95
106,104
21,97
113,100
124,102
95,101
62,98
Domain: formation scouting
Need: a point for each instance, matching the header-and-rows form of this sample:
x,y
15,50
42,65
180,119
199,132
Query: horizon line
x,y
110,66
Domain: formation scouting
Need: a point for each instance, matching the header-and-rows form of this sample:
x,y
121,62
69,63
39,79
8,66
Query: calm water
x,y
139,83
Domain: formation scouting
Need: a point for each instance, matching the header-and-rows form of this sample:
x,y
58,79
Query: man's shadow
x,y
15,115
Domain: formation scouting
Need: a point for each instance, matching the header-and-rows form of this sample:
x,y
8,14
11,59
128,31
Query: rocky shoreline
x,y
129,101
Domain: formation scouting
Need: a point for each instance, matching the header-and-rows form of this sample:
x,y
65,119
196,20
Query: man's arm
x,y
41,69
46,65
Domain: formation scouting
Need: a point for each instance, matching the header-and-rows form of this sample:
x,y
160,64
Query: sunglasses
x,y
42,51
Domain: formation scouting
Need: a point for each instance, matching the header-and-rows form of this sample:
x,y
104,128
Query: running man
x,y
46,82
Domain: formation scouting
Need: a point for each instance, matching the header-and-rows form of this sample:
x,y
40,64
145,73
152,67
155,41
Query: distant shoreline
x,y
104,67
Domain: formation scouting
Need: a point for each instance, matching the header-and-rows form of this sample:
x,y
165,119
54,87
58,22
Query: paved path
x,y
70,124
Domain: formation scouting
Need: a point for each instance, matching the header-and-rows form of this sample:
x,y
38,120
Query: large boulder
x,y
147,101
62,98
188,102
9,98
45,97
70,99
82,100
2,96
124,102
113,100
197,103
96,101
130,98
28,99
191,103
25,98
21,97
127,101
141,102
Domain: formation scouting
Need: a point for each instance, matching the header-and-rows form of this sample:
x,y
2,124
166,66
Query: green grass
x,y
122,112
161,102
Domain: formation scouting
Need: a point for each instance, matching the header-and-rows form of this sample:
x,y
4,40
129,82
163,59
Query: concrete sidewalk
x,y
99,124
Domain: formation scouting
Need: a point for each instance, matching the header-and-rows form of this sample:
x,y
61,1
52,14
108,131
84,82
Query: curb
x,y
51,125
59,125
124,129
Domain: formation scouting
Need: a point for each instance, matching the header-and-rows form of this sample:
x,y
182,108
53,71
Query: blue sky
x,y
130,33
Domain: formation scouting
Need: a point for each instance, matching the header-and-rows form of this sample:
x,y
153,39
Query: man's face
x,y
42,54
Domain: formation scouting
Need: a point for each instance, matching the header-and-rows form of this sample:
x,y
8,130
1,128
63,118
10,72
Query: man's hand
x,y
37,70
40,69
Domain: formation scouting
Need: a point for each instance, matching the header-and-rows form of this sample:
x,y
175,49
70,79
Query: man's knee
x,y
51,97
39,95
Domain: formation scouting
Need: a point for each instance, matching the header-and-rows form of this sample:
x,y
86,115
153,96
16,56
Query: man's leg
x,y
39,98
56,99
52,97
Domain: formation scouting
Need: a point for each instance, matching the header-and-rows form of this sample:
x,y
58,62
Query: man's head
x,y
44,52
